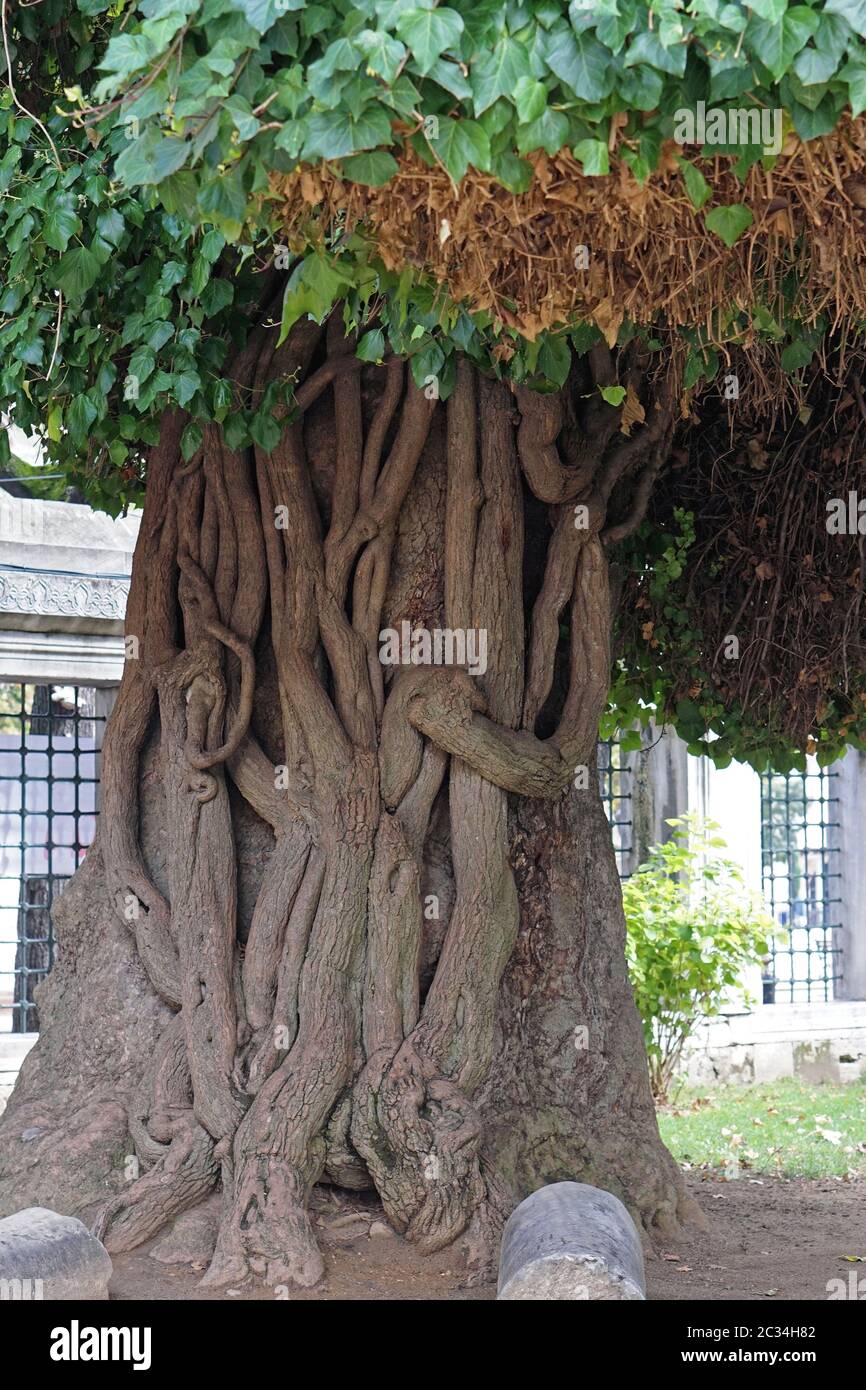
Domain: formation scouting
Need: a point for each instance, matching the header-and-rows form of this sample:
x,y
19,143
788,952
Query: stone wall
x,y
815,1042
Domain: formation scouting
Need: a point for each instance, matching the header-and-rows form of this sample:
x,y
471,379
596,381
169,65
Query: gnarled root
x,y
267,1231
181,1179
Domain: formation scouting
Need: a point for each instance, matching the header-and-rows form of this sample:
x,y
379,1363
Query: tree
x,y
331,283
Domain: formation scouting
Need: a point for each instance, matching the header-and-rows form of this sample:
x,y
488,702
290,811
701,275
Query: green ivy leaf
x,y
185,385
178,193
169,155
641,88
855,75
549,133
216,296
191,440
496,73
614,27
110,226
648,48
854,11
593,155
729,222
581,62
770,10
692,373
341,56
461,143
384,54
814,66
62,223
797,354
223,398
513,173
76,272
142,363
696,185
126,53
158,334
428,33
212,244
373,168
313,286
236,432
334,134
427,364
31,351
223,202
446,74
810,124
80,415
778,44
530,98
262,14
554,359
371,348
266,431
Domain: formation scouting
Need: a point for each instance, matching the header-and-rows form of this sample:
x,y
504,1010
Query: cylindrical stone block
x,y
45,1255
571,1241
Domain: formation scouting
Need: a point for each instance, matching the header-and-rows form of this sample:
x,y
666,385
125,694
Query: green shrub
x,y
692,927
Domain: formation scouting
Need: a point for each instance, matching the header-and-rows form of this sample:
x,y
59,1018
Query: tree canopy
x,y
508,181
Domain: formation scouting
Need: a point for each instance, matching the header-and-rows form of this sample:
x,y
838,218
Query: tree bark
x,y
348,922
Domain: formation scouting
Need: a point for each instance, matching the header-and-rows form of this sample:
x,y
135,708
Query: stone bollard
x,y
45,1255
571,1241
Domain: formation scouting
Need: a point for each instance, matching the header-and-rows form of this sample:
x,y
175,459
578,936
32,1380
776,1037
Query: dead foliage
x,y
651,256
764,566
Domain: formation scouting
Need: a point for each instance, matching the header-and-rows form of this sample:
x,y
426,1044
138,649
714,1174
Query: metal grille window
x,y
50,737
801,872
615,785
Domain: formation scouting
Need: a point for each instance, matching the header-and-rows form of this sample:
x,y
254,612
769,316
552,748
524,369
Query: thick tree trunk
x,y
348,922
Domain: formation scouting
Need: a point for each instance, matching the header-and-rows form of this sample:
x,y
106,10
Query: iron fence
x,y
50,737
801,877
615,785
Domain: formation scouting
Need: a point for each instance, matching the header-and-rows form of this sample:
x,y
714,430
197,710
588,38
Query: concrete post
x,y
571,1241
660,788
47,1256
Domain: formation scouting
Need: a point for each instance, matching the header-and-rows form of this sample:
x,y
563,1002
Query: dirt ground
x,y
767,1239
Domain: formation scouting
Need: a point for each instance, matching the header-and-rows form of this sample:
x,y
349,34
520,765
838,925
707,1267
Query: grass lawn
x,y
786,1128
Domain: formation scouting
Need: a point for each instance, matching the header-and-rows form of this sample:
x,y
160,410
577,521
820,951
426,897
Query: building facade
x,y
798,838
64,580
